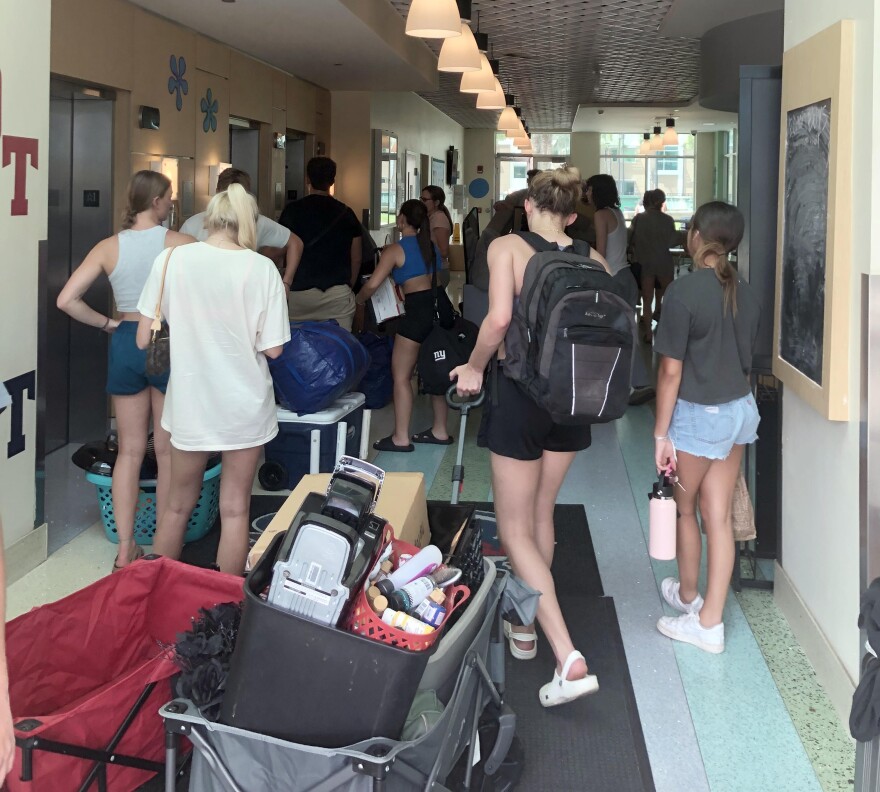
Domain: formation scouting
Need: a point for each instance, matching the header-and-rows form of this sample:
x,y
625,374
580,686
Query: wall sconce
x,y
213,172
168,167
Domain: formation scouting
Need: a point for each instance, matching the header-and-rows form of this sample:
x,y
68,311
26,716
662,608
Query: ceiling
x,y
694,17
558,54
688,118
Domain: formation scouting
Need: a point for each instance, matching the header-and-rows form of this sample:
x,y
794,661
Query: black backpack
x,y
571,339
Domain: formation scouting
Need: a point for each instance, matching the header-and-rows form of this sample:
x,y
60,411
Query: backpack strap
x,y
541,245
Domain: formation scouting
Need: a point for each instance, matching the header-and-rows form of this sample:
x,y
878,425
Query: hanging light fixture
x,y
508,120
670,137
460,54
492,100
645,148
482,39
433,19
657,140
477,82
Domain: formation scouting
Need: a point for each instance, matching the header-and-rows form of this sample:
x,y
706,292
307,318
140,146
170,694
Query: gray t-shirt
x,y
715,347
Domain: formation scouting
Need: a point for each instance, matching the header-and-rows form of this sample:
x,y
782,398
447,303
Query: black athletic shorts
x,y
518,428
418,320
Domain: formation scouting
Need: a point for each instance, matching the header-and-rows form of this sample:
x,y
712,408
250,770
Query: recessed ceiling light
x,y
708,123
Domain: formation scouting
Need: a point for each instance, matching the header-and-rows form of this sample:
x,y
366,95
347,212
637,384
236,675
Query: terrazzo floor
x,y
751,719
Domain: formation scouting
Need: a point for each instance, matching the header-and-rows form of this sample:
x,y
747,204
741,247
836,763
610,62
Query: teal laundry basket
x,y
203,517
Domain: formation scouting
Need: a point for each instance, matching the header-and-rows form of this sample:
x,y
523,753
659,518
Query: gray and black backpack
x,y
572,336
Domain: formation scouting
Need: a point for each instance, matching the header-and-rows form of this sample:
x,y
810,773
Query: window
x,y
671,169
384,188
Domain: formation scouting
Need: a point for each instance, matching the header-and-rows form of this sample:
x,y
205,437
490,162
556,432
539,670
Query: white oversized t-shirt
x,y
269,233
223,307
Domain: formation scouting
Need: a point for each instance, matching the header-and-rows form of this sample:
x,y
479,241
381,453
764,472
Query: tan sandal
x,y
136,554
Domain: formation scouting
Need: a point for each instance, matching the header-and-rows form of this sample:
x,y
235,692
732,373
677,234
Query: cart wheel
x,y
272,476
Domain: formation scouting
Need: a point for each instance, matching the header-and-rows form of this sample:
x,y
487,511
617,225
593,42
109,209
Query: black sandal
x,y
430,438
387,444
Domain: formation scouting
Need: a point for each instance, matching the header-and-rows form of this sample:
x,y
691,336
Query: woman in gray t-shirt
x,y
705,416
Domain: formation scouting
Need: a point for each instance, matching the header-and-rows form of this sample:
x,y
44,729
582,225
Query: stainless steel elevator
x,y
73,357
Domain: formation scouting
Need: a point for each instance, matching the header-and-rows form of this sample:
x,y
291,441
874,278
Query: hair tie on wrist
x,y
664,437
106,324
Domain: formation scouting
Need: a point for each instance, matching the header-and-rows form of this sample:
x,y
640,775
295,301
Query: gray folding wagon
x,y
466,671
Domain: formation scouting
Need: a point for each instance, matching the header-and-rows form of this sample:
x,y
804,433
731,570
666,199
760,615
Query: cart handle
x,y
466,403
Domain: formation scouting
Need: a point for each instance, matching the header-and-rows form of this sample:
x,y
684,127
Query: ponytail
x,y
234,209
416,216
721,227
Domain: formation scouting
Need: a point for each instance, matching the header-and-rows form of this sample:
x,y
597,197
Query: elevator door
x,y
80,215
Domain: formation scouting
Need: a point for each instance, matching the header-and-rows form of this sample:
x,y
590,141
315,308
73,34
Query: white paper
x,y
385,302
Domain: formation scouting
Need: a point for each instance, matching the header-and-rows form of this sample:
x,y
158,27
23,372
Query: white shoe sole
x,y
553,694
515,651
690,639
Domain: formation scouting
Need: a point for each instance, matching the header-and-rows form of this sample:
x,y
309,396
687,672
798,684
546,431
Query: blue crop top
x,y
413,263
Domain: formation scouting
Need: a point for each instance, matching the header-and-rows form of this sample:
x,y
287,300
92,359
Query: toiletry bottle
x,y
406,623
422,563
662,519
430,613
413,593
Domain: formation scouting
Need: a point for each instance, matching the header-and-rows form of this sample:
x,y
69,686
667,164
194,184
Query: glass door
x,y
550,163
510,174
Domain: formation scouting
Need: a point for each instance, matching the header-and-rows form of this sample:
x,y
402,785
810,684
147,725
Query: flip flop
x,y
428,437
387,444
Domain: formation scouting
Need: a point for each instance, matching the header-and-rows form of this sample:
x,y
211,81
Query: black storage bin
x,y
304,682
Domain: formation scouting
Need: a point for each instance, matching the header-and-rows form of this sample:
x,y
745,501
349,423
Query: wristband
x,y
664,437
106,324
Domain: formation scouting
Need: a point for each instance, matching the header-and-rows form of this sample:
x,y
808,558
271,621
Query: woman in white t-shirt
x,y
226,309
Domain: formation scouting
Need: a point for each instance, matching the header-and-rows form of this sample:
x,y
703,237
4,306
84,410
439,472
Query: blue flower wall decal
x,y
209,107
176,82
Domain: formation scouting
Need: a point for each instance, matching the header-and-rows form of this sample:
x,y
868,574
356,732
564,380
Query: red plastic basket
x,y
363,620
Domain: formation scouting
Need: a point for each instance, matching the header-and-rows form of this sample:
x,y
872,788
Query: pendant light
x,y
460,54
670,137
482,39
433,19
492,100
508,120
477,82
657,140
645,148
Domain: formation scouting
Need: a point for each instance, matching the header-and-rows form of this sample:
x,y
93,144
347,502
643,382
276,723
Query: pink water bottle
x,y
662,516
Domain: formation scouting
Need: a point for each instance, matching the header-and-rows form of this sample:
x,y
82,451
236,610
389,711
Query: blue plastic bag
x,y
377,384
320,363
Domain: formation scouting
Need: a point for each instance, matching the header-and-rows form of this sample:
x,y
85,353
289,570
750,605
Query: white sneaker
x,y
670,588
687,628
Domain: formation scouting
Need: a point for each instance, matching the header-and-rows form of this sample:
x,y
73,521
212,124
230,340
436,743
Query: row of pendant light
x,y
464,52
660,138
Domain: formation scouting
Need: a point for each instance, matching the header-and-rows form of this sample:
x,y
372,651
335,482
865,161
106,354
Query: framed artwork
x,y
811,345
438,172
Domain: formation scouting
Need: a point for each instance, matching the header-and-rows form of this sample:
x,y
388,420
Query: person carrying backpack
x,y
532,444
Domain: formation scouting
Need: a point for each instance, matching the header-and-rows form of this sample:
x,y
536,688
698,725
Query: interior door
x,y
413,187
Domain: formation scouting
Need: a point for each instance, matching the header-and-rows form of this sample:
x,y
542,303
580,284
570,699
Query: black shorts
x,y
418,320
518,428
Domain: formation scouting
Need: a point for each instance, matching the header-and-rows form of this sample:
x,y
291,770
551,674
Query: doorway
x,y
72,358
244,149
510,174
413,186
295,166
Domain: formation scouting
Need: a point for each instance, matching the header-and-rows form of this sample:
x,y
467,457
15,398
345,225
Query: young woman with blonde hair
x,y
706,415
530,454
226,309
126,258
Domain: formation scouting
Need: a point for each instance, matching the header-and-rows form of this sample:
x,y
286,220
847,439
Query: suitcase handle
x,y
465,405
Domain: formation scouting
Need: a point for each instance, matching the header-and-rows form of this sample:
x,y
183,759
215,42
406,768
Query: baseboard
x,y
830,672
27,553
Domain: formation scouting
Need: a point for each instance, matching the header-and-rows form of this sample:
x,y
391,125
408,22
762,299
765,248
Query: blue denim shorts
x,y
712,430
127,365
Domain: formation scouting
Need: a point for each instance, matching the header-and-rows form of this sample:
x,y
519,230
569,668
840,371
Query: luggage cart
x,y
470,657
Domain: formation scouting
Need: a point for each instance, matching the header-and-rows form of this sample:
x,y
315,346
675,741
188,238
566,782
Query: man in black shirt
x,y
321,280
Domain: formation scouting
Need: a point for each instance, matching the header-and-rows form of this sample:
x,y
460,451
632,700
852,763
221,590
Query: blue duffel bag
x,y
377,384
320,363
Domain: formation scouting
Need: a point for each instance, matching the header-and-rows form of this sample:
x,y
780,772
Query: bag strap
x,y
156,324
324,231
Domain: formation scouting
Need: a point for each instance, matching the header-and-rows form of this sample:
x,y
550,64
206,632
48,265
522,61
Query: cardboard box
x,y
401,502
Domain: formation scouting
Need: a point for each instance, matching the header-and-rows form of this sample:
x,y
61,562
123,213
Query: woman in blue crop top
x,y
410,263
126,259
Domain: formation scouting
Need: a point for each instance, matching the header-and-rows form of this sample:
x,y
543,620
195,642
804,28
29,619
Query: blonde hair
x,y
235,210
556,191
145,186
721,227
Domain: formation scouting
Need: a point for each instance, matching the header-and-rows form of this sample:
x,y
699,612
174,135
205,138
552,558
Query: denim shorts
x,y
712,430
127,365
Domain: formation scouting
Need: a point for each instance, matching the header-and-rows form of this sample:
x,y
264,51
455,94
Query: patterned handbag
x,y
159,350
742,512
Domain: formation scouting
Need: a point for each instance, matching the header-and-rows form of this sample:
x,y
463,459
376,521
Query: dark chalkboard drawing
x,y
805,218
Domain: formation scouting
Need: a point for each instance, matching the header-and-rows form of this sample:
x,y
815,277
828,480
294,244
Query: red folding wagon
x,y
88,674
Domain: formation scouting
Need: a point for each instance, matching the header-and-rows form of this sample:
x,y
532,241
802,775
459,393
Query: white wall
x,y
24,113
820,459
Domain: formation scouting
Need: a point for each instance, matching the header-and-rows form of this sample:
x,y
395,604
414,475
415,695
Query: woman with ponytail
x,y
410,262
530,454
226,309
706,415
126,259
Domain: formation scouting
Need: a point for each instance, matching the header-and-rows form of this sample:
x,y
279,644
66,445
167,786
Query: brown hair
x,y
145,186
233,176
416,215
721,228
437,194
556,191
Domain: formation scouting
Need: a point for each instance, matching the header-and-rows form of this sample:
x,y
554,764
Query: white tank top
x,y
615,247
137,252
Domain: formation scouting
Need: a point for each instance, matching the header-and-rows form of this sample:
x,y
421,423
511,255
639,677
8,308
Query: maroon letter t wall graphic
x,y
18,149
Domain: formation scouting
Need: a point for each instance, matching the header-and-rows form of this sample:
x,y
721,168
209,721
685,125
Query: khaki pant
x,y
318,306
